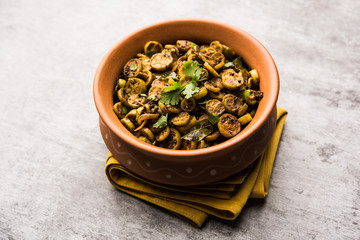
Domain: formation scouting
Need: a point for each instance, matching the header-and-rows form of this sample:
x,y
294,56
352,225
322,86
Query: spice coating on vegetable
x,y
185,95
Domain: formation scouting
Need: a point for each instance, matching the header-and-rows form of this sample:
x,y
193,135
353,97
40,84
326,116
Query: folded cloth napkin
x,y
224,199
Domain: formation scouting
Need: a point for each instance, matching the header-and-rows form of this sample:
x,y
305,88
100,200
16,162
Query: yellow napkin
x,y
224,199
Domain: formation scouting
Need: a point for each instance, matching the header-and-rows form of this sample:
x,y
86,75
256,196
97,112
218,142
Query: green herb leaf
x,y
171,50
190,89
213,118
171,98
192,69
143,94
197,134
161,122
228,64
151,97
174,86
193,45
171,94
133,67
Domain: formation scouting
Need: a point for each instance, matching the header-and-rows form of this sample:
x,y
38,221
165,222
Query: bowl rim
x,y
150,149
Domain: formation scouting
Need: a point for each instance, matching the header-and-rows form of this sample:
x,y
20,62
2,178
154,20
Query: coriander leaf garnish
x,y
171,98
174,86
213,118
171,50
133,67
143,94
161,122
171,94
190,89
192,70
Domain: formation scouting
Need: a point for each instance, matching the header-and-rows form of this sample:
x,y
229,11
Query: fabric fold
x,y
224,199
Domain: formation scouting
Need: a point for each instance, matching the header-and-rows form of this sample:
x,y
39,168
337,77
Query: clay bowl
x,y
187,167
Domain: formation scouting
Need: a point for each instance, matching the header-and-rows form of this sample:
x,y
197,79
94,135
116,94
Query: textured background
x,y
52,182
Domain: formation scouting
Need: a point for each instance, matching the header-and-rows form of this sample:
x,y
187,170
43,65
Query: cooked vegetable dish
x,y
186,96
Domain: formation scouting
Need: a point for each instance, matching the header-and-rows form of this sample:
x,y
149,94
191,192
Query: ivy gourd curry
x,y
186,96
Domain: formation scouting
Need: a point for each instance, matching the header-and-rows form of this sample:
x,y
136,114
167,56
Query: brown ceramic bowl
x,y
187,167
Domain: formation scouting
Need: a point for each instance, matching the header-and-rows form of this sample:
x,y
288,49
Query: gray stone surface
x,y
52,182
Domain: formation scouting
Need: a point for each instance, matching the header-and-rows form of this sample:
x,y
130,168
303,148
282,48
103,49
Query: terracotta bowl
x,y
187,167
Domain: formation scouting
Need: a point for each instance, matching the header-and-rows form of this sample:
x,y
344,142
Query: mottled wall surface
x,y
52,182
